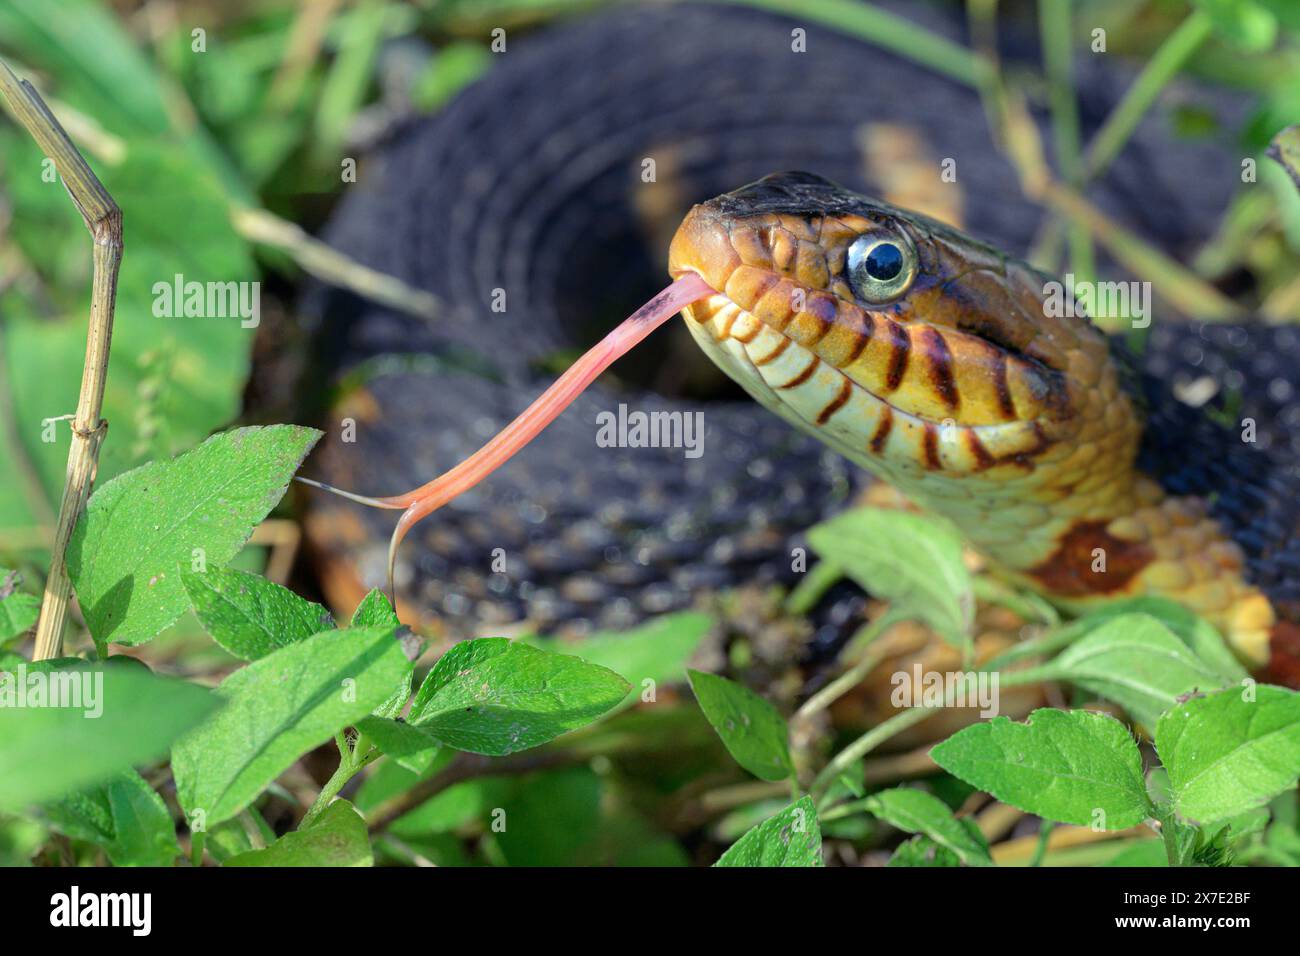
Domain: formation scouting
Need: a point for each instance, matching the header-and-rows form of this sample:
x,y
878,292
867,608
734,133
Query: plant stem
x,y
1168,59
886,30
855,674
1055,30
349,766
819,579
103,219
1044,836
877,735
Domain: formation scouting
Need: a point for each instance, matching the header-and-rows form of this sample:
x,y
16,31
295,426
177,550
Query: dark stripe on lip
x,y
821,307
931,446
782,344
901,348
882,430
940,364
836,403
1002,386
976,447
859,344
804,375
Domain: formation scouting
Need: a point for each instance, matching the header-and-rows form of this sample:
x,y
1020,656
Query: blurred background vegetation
x,y
226,162
286,89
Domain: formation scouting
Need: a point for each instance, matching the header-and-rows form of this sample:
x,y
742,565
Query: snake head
x,y
908,345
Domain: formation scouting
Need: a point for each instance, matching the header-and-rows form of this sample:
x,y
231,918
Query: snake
x,y
538,203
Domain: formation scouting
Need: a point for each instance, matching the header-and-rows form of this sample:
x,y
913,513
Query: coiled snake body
x,y
536,207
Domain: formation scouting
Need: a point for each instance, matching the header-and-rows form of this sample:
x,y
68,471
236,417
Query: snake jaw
x,y
927,395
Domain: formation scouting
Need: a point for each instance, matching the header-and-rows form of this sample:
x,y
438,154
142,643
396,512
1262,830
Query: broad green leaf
x,y
912,561
791,838
1138,663
750,728
374,610
657,651
1069,766
278,708
922,851
48,752
413,748
18,609
463,804
1192,629
494,696
202,505
1149,853
1226,754
337,838
919,812
124,816
248,615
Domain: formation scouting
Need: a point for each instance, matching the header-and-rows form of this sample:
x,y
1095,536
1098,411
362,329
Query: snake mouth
x,y
807,388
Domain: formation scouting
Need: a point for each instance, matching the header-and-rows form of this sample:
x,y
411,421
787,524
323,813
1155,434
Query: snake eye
x,y
881,267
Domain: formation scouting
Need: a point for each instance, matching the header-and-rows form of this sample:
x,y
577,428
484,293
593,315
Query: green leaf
x,y
791,838
912,561
1244,22
250,616
457,64
137,528
922,851
124,816
413,748
1148,853
278,708
1285,149
1226,754
1192,629
750,728
18,610
374,610
1061,765
48,752
496,697
656,652
337,838
916,811
1138,663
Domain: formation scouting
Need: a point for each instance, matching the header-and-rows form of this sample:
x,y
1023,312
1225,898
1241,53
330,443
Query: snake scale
x,y
525,207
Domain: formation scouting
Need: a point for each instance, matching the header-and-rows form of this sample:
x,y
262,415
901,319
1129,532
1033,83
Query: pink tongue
x,y
430,497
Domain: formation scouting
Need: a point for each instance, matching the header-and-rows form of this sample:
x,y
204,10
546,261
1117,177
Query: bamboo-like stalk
x,y
103,219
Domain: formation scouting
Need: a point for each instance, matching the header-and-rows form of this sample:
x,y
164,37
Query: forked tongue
x,y
429,497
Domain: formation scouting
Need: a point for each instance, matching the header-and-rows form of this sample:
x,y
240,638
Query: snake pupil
x,y
884,262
